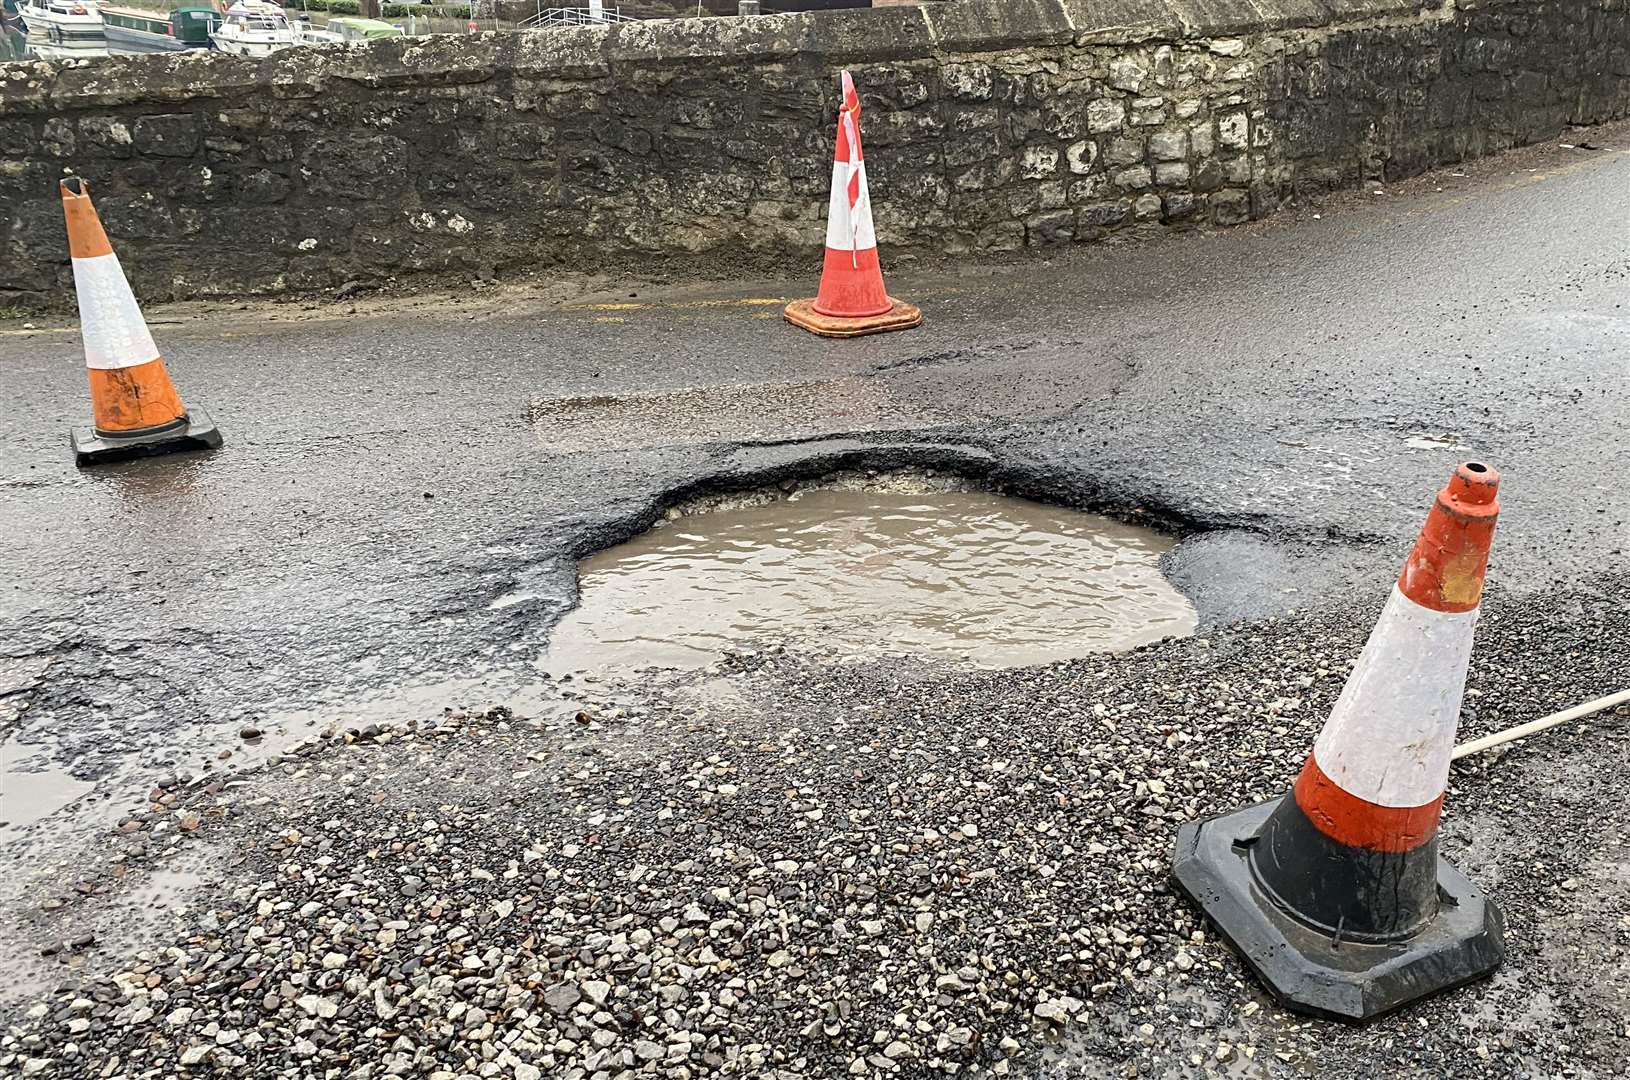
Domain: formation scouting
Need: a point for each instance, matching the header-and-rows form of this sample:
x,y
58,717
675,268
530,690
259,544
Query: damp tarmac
x,y
962,575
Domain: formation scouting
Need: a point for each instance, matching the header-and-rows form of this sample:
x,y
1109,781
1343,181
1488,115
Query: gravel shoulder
x,y
789,866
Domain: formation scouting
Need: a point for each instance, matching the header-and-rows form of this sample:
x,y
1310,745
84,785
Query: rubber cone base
x,y
900,316
1311,972
92,447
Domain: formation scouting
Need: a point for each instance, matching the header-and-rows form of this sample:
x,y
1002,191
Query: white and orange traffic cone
x,y
852,299
1335,895
134,405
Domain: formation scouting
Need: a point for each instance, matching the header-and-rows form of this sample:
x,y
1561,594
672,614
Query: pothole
x,y
905,563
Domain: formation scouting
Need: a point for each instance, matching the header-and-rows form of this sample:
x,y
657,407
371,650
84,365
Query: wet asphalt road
x,y
1289,395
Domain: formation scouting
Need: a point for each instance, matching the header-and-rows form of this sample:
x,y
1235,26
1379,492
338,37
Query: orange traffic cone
x,y
852,300
1335,895
135,407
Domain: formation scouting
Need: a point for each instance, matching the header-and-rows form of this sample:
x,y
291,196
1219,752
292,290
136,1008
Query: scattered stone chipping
x,y
878,869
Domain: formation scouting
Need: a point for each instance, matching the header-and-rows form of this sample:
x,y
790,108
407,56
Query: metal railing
x,y
575,16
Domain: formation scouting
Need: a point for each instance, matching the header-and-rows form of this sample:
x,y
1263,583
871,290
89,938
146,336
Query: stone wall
x,y
990,125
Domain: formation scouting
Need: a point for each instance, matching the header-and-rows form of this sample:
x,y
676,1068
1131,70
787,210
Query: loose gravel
x,y
788,866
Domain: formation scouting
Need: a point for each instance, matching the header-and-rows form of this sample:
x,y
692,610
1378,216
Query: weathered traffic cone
x,y
135,407
1335,895
852,299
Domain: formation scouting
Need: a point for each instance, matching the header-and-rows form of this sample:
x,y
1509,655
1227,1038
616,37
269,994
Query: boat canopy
x,y
370,29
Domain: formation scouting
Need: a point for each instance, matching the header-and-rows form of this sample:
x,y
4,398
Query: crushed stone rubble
x,y
878,868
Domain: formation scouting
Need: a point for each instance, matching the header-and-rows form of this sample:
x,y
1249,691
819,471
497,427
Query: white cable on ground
x,y
1500,738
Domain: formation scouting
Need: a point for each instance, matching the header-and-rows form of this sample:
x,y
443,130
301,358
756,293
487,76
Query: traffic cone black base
x,y
1311,969
193,431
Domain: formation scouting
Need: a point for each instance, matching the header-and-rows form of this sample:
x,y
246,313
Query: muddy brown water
x,y
994,581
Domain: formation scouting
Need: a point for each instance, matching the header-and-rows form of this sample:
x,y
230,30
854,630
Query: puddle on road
x,y
30,788
998,582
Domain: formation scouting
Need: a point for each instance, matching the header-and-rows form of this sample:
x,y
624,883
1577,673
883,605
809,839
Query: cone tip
x,y
1473,484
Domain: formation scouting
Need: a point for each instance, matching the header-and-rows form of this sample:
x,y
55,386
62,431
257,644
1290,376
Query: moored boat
x,y
130,30
253,28
64,26
353,30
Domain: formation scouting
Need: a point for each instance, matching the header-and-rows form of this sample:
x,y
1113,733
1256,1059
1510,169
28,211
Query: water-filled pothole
x,y
907,565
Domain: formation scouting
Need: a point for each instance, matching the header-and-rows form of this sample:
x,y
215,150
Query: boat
x,y
307,34
253,28
350,29
130,30
64,27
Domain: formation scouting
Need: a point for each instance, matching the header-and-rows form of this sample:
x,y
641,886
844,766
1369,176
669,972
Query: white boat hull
x,y
251,48
57,31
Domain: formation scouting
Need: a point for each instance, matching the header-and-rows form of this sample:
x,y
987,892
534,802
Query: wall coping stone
x,y
982,26
845,36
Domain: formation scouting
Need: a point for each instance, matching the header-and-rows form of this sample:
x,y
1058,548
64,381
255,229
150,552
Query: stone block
x,y
1147,208
1088,190
1081,156
1354,10
1215,18
174,135
1126,151
1180,205
1127,72
1003,236
137,218
1172,173
1134,179
1107,22
1202,142
360,166
17,138
1234,131
1023,201
967,82
1231,207
276,148
1038,162
1104,215
1055,227
1293,14
985,176
523,142
1105,114
108,134
1169,145
263,187
988,25
1148,112
1208,176
57,138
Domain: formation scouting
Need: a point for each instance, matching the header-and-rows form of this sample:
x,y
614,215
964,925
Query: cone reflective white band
x,y
1392,731
116,335
849,228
